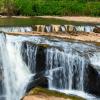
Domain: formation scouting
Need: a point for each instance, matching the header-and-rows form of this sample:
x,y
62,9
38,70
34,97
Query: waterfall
x,y
64,64
66,70
85,28
16,29
63,28
29,55
48,28
15,72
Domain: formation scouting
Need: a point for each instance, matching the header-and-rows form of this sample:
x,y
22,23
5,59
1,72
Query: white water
x,y
80,28
48,28
63,78
85,28
16,29
63,28
59,69
16,73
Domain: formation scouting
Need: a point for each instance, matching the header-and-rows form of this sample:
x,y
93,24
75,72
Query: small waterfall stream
x,y
16,29
68,70
65,64
15,72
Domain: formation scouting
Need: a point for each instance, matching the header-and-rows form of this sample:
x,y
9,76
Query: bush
x,y
53,7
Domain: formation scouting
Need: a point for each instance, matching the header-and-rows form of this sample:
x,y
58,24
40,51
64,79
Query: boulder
x,y
71,29
56,28
34,27
40,28
37,81
39,93
96,29
92,81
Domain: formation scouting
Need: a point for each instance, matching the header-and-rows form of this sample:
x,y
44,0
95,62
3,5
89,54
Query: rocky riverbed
x,y
81,36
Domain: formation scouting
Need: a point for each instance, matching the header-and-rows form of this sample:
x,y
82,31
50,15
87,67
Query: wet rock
x,y
92,81
56,28
40,59
96,29
71,29
1,81
48,28
38,81
34,27
40,28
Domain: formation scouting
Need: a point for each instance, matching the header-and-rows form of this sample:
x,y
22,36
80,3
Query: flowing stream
x,y
65,64
15,72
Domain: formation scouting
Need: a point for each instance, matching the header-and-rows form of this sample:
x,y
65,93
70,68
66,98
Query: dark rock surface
x,y
92,81
96,29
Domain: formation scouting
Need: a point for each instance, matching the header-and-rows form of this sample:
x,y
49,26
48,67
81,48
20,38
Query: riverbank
x,y
83,19
80,19
84,37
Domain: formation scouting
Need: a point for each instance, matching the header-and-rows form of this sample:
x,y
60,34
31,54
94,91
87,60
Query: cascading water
x,y
85,28
65,64
68,70
62,28
16,29
15,72
48,28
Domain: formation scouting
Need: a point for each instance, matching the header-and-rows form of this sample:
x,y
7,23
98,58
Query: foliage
x,y
51,7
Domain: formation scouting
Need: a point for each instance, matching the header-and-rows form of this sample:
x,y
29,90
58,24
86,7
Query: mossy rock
x,y
39,91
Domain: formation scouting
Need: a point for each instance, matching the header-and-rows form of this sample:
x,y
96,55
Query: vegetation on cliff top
x,y
50,7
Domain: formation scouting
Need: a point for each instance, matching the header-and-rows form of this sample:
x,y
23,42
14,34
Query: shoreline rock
x,y
80,36
45,94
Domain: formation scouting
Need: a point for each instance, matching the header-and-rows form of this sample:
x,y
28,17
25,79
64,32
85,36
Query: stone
x,y
38,28
40,59
42,28
71,29
39,93
96,29
34,27
37,81
92,81
56,28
